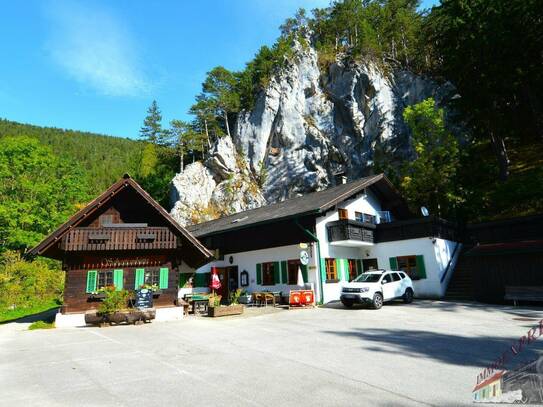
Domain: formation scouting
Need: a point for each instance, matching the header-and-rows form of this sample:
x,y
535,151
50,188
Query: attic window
x,y
240,219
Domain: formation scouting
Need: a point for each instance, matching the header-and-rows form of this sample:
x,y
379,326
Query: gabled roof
x,y
126,182
311,204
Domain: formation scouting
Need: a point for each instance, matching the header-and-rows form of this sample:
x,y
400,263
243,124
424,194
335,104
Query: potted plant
x,y
217,310
114,309
154,288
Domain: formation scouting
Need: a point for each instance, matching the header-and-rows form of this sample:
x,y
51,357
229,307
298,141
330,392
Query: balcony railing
x,y
118,238
348,229
430,226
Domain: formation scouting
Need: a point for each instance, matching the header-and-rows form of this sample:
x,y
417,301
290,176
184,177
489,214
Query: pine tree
x,y
151,131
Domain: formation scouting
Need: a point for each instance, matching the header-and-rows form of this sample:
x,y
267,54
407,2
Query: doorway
x,y
229,279
369,264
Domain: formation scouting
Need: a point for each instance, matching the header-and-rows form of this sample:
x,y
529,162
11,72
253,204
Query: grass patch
x,y
41,325
7,315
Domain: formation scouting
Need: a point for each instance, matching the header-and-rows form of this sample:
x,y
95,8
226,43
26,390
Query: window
x,y
267,274
353,269
106,220
331,272
151,277
365,217
387,279
402,275
343,214
105,278
408,264
293,267
396,277
368,278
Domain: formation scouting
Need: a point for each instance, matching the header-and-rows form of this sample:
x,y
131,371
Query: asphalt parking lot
x,y
426,353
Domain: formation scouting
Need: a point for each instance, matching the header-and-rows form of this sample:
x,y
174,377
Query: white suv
x,y
376,287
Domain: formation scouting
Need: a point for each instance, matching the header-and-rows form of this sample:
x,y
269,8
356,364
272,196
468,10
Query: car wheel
x,y
347,303
377,300
408,296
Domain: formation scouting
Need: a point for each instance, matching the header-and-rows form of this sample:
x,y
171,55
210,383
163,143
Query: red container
x,y
308,297
295,298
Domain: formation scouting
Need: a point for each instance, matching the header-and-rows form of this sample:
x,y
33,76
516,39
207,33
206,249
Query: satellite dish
x,y
424,211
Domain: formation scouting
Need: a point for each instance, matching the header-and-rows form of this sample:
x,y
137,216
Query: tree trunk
x,y
536,108
226,122
207,134
181,154
498,144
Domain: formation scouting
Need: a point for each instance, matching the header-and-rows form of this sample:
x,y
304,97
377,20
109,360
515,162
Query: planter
x,y
120,317
224,311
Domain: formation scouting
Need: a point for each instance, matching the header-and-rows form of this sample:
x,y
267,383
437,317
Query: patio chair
x,y
257,299
269,297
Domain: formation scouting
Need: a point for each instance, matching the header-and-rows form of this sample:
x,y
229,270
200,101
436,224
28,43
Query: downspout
x,y
314,238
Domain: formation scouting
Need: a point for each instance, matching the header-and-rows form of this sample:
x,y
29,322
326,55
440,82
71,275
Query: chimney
x,y
340,178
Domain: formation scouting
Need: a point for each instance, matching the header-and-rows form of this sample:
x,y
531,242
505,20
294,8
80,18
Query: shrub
x,y
114,301
41,325
25,283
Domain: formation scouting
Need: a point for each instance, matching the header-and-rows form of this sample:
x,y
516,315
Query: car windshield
x,y
368,278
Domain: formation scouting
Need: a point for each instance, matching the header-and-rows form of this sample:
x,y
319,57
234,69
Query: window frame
x,y
331,270
268,269
353,269
296,263
343,213
154,272
410,270
103,274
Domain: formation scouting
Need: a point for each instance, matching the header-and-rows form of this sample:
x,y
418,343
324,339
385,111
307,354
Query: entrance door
x,y
229,281
369,264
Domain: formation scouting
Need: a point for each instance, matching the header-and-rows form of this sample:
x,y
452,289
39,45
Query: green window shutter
x,y
139,278
276,273
183,278
118,279
421,269
359,266
393,263
284,272
346,272
339,271
163,279
201,279
92,275
259,273
304,272
323,269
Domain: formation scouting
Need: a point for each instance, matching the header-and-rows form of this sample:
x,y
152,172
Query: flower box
x,y
224,311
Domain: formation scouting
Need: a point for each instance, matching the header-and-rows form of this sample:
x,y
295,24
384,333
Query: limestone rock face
x,y
307,125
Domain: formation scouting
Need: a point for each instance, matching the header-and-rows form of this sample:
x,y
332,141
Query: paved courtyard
x,y
426,353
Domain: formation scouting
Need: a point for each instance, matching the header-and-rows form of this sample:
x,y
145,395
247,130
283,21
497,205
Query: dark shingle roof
x,y
313,203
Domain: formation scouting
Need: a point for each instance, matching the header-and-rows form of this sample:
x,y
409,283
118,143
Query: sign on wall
x,y
304,257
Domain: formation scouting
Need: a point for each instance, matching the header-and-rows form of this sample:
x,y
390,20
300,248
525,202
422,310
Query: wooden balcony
x,y
429,226
350,233
118,238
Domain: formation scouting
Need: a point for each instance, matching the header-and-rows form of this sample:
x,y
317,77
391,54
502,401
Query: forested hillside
x,y
103,158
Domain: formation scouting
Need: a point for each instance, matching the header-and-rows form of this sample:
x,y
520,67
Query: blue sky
x,y
97,65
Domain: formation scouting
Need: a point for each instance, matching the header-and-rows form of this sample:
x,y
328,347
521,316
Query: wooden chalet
x,y
122,238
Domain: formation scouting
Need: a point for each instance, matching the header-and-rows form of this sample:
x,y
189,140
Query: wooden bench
x,y
523,293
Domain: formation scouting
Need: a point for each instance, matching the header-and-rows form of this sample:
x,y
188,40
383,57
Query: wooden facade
x,y
122,238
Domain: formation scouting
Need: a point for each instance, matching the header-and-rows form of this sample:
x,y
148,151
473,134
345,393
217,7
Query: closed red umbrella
x,y
215,283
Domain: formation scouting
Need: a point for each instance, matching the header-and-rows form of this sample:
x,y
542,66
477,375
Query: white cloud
x,y
95,48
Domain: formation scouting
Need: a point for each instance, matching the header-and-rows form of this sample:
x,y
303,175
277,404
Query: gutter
x,y
314,238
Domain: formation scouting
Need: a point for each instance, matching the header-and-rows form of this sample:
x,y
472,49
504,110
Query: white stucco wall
x,y
248,260
364,203
437,253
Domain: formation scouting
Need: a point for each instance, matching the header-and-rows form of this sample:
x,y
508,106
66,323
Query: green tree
x,y
429,180
187,140
492,51
152,131
38,191
220,88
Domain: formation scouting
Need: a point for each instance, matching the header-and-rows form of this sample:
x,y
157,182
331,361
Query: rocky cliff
x,y
305,127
